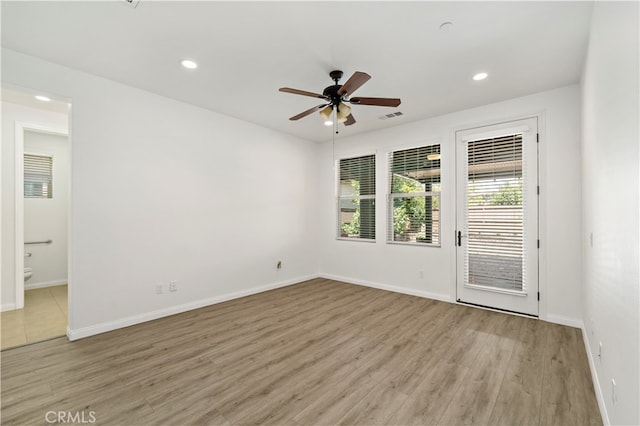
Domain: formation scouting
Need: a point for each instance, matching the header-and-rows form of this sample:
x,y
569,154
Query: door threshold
x,y
491,308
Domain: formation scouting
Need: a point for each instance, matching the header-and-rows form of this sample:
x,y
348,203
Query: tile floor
x,y
44,316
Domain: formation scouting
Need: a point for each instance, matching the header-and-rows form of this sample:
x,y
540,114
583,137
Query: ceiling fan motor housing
x,y
331,92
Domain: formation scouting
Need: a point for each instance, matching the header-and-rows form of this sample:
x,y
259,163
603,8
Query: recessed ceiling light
x,y
42,98
188,63
480,76
328,123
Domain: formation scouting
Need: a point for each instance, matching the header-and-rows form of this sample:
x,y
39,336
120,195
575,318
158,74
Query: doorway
x,y
41,158
497,216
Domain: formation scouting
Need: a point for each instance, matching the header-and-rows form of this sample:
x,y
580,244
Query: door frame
x,y
540,115
19,130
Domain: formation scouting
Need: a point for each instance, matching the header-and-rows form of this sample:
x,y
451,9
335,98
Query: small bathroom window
x,y
38,176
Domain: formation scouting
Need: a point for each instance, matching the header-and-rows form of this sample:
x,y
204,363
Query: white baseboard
x,y
559,319
44,284
7,307
395,289
594,378
92,330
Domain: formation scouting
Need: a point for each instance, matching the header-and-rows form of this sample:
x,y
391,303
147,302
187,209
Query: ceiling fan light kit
x,y
326,112
338,96
342,112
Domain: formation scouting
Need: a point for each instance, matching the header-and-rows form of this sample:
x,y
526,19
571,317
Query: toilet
x,y
28,272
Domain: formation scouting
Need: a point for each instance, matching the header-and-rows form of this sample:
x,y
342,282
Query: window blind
x,y
38,176
356,198
495,227
414,199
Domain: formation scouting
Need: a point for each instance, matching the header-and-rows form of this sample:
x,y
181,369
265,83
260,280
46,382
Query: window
x,y
38,176
356,198
414,199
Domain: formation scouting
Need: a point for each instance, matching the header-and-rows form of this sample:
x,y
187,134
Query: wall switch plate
x,y
158,288
421,274
173,286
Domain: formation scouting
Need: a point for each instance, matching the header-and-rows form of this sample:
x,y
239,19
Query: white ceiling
x,y
247,50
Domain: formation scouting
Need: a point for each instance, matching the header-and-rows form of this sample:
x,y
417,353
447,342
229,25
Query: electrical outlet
x,y
158,288
173,286
279,264
421,274
614,392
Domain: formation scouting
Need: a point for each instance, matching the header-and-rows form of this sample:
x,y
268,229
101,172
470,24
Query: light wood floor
x,y
317,353
44,316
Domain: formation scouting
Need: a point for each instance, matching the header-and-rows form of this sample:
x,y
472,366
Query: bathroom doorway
x,y
41,157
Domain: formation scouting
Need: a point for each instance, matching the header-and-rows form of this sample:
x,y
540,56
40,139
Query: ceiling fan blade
x,y
388,102
307,112
355,81
302,92
350,120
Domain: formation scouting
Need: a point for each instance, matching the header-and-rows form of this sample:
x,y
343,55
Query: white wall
x,y
397,266
162,190
12,113
46,218
610,206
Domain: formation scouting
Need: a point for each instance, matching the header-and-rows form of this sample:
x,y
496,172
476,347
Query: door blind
x,y
495,208
38,176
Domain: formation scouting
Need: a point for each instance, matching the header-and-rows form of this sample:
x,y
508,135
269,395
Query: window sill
x,y
360,240
402,243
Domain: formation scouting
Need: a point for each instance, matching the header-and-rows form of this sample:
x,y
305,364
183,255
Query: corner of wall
x,y
387,287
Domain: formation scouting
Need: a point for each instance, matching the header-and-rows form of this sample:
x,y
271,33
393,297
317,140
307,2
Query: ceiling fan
x,y
338,96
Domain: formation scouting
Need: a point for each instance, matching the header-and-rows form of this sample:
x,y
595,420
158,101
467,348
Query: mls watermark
x,y
73,417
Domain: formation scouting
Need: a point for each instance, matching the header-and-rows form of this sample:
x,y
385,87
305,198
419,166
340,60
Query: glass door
x,y
497,216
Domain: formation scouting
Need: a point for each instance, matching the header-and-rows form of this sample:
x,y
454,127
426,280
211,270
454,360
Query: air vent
x,y
132,3
392,115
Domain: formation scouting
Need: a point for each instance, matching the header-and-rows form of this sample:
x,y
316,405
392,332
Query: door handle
x,y
460,236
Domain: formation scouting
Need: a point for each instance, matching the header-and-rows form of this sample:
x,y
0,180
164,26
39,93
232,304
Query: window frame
x,y
392,196
339,199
